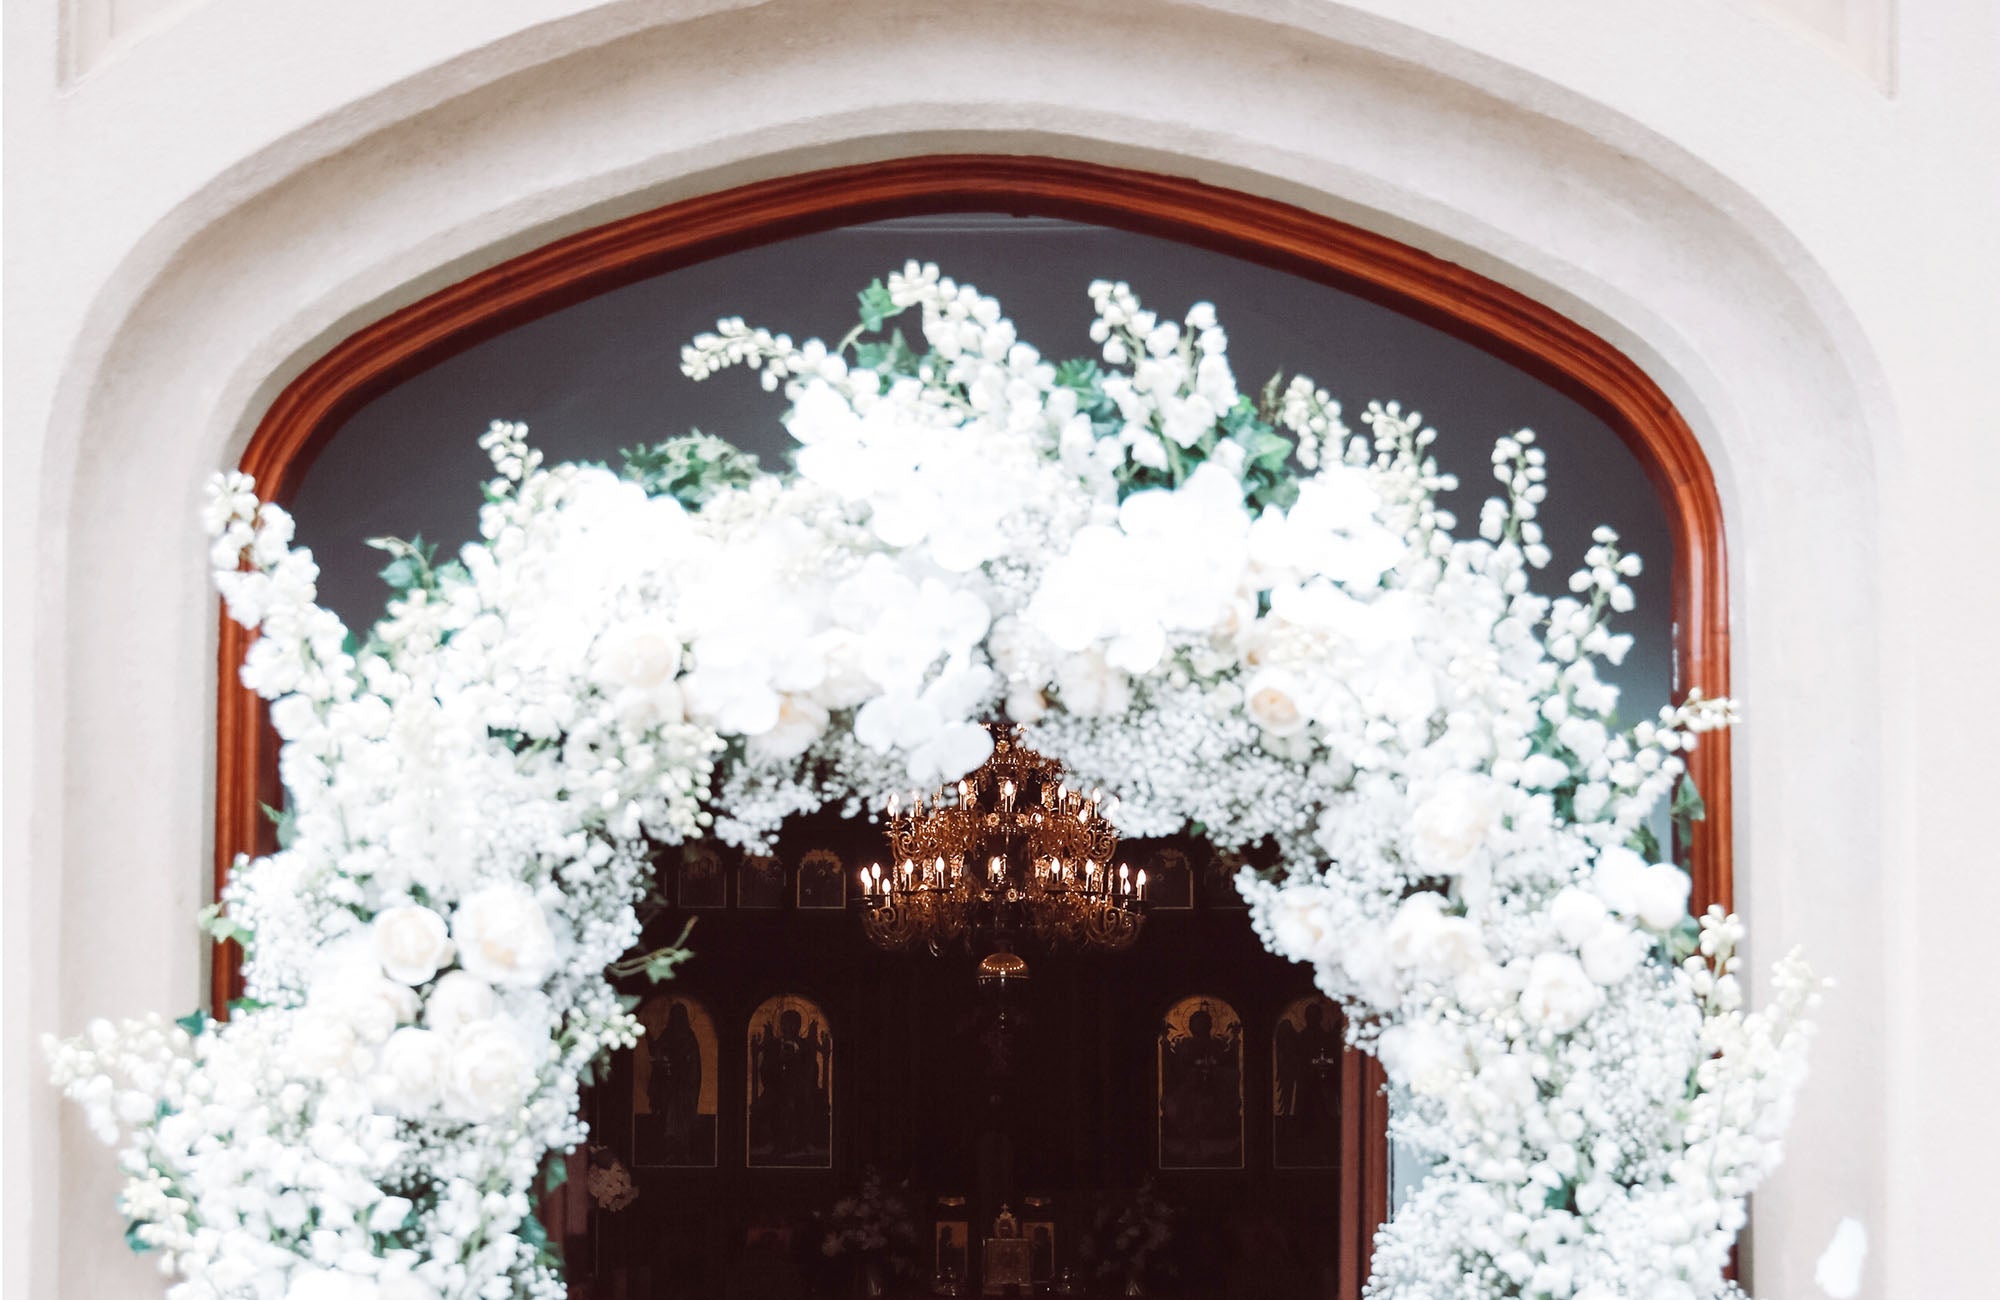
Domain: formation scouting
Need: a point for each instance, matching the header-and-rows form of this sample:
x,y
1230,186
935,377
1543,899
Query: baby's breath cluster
x,y
1232,610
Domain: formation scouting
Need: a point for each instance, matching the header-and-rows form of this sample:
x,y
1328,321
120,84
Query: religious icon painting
x,y
702,883
1041,1238
1201,1086
954,1240
1218,880
760,883
790,1086
675,1086
1170,881
822,881
1306,1055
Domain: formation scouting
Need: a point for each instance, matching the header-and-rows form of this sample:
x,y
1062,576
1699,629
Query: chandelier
x,y
1009,852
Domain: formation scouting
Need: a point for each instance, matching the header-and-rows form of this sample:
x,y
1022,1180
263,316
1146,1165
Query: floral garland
x,y
1235,611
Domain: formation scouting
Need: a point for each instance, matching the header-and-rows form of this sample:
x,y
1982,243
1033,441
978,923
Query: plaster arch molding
x,y
250,281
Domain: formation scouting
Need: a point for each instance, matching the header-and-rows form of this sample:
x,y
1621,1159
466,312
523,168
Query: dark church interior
x,y
809,1115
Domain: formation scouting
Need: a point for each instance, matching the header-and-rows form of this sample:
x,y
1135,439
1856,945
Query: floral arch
x,y
1693,959
1512,325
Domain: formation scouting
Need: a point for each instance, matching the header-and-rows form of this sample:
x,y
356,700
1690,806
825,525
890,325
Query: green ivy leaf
x,y
691,469
555,1171
876,305
194,1022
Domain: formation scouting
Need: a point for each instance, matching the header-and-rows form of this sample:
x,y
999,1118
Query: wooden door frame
x,y
1460,302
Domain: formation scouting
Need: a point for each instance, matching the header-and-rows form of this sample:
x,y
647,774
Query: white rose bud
x,y
321,1044
638,655
402,1284
1559,995
1611,954
370,1005
458,999
503,937
1272,699
409,1079
489,1071
411,942
1577,915
1662,896
330,1284
1301,923
1452,825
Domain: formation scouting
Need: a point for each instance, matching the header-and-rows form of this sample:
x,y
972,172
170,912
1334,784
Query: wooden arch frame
x,y
1464,304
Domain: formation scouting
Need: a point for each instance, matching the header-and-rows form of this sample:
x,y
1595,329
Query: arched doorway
x,y
1490,319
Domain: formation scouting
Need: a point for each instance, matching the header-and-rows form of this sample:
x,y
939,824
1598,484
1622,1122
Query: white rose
x,y
800,723
1559,994
1421,1057
1273,700
489,1071
1092,688
1026,705
1577,915
1301,922
503,937
1441,946
1662,896
369,1004
409,1078
402,1284
329,1284
458,999
411,942
1611,953
1619,879
1453,823
639,655
321,1044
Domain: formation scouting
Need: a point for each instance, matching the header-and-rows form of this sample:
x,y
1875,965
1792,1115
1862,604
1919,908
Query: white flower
x,y
401,1284
1090,687
321,1045
330,1284
409,1077
800,722
1440,946
1663,896
368,1004
1611,953
458,998
1453,823
1838,1270
1301,919
488,1073
1559,995
503,937
638,655
1656,894
1422,1057
411,942
1578,915
1274,700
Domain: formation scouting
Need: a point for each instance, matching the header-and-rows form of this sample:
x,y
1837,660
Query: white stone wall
x,y
1784,213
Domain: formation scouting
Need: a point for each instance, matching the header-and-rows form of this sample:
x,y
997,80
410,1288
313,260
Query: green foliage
x,y
891,357
876,306
555,1172
690,469
194,1022
409,568
283,820
222,927
132,1240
